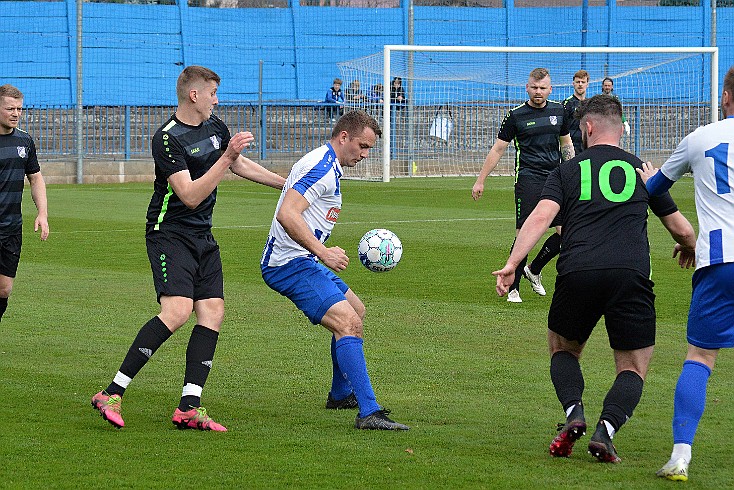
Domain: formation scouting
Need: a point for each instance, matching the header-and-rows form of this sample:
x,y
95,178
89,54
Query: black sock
x,y
518,271
567,378
550,249
150,337
518,274
3,307
622,398
199,356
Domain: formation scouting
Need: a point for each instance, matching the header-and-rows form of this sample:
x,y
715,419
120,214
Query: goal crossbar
x,y
390,49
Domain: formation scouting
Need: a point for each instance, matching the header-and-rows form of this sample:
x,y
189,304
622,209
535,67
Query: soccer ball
x,y
380,250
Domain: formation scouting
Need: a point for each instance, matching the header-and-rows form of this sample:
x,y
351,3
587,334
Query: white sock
x,y
122,380
681,450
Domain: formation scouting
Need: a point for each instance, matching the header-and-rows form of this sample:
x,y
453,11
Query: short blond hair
x,y
8,90
581,74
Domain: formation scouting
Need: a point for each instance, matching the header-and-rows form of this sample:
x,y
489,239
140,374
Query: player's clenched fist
x,y
238,142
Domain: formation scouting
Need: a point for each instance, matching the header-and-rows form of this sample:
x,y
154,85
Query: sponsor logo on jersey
x,y
215,142
22,151
195,150
332,214
554,120
530,123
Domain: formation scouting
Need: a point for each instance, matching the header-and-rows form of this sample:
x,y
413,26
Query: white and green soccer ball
x,y
380,250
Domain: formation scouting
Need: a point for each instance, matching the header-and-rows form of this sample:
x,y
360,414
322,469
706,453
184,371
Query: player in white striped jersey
x,y
295,261
708,153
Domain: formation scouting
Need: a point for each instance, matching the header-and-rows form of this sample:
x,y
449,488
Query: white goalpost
x,y
457,97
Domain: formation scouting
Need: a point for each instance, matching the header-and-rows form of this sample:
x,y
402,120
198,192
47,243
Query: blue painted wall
x,y
133,53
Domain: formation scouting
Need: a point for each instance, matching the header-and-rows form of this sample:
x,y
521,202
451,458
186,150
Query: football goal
x,y
457,96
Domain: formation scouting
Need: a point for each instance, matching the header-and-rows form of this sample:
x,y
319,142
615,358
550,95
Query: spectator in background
x,y
376,94
397,93
607,87
334,96
354,95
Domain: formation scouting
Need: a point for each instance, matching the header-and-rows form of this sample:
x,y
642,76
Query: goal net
x,y
456,98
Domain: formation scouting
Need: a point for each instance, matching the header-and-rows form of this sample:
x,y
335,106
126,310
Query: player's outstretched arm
x,y
533,229
38,193
244,167
490,162
683,233
193,192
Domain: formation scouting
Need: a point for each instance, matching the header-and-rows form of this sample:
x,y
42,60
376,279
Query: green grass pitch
x,y
465,369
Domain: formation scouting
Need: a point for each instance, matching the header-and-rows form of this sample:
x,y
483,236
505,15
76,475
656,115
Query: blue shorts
x,y
309,284
711,316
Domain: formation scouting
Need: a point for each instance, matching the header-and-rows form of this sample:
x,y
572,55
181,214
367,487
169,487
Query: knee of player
x,y
173,318
352,326
361,311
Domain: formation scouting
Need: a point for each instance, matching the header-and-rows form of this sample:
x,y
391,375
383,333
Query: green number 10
x,y
630,180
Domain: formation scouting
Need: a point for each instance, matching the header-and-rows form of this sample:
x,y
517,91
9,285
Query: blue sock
x,y
350,355
340,387
690,401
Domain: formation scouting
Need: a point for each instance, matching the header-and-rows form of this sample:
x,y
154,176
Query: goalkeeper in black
x,y
536,127
603,270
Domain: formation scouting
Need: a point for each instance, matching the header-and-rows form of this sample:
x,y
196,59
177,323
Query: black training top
x,y
535,133
569,107
17,159
604,207
176,147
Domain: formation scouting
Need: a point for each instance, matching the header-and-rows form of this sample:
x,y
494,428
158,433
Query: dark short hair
x,y
8,90
193,74
600,105
607,79
354,122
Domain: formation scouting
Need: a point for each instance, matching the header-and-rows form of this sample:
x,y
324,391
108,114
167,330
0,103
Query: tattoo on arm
x,y
567,152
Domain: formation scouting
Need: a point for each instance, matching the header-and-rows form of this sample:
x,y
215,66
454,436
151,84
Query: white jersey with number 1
x,y
708,152
316,177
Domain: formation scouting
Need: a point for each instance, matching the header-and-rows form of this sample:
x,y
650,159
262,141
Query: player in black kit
x,y
603,270
535,127
192,151
570,103
18,161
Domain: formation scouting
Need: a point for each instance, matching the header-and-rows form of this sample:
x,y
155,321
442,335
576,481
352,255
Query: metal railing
x,y
291,129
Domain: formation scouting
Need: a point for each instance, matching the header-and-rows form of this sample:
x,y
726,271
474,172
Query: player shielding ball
x,y
603,270
296,263
708,153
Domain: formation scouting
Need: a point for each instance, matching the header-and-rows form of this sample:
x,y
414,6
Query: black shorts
x,y
624,297
10,254
185,265
527,195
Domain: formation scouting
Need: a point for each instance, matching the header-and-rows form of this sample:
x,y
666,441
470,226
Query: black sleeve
x,y
663,205
507,130
553,188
